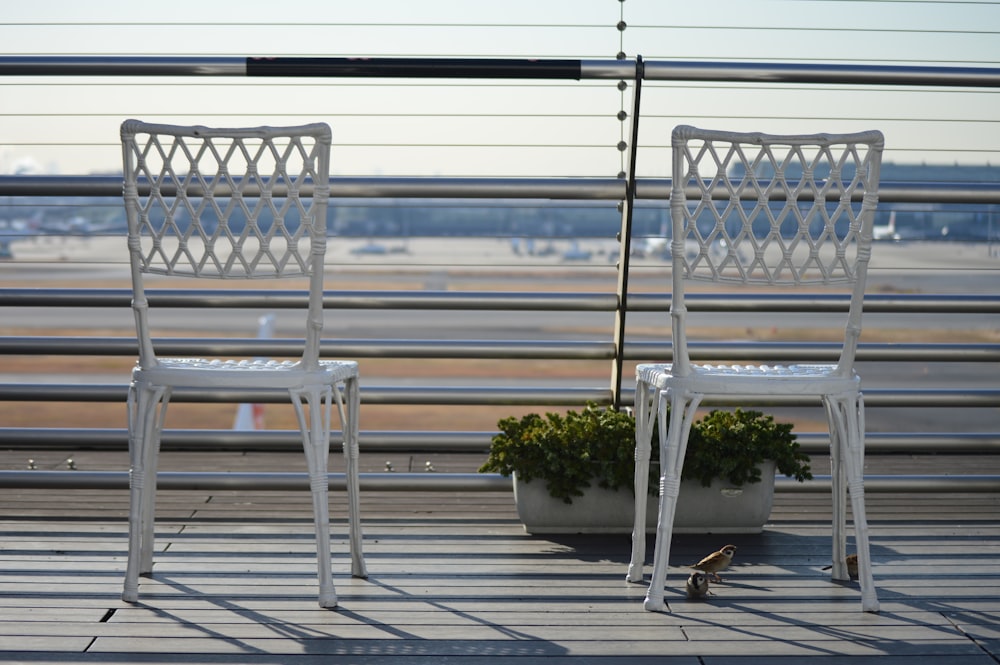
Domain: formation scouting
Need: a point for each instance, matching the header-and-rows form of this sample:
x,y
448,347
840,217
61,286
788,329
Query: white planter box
x,y
718,508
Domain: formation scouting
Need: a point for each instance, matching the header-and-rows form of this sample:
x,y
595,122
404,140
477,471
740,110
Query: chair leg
x,y
146,411
645,411
854,456
316,444
673,444
156,414
838,487
349,426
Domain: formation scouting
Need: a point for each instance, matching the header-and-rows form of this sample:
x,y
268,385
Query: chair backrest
x,y
226,204
772,211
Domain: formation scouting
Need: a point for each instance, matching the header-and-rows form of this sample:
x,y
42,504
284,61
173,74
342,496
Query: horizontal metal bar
x,y
297,299
452,68
584,189
121,66
436,482
786,352
371,441
497,68
290,348
485,395
327,67
260,481
910,443
653,189
875,303
763,72
500,349
579,189
414,395
897,484
446,441
885,398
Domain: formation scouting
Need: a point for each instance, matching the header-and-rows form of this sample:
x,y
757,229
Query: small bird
x,y
697,585
852,566
716,562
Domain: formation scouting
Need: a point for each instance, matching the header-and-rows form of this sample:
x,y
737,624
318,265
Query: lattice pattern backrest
x,y
778,210
242,203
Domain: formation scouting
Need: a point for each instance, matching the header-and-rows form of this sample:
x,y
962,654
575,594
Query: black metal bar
x,y
625,240
463,68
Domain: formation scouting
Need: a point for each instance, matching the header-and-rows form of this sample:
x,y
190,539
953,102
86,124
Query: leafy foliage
x,y
569,452
732,444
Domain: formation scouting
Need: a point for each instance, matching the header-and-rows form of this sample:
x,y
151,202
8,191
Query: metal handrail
x,y
501,349
875,303
484,396
552,189
444,441
499,68
439,482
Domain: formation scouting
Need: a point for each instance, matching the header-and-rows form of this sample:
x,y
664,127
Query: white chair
x,y
766,211
244,204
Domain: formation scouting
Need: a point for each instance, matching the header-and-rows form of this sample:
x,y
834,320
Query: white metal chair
x,y
234,204
768,211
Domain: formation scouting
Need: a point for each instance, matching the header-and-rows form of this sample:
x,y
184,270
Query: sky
x,y
69,125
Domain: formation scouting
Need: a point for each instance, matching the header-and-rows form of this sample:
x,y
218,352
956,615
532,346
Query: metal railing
x,y
616,348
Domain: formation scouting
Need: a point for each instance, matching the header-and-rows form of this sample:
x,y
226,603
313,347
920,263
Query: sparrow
x,y
697,585
716,561
852,566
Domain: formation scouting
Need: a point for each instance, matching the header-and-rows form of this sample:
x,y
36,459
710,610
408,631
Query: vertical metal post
x,y
625,239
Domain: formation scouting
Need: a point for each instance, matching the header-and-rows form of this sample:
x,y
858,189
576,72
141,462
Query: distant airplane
x,y
651,246
574,253
886,231
370,247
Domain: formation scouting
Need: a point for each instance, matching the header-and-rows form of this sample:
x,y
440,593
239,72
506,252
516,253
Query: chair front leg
x,y
145,407
316,444
673,445
854,456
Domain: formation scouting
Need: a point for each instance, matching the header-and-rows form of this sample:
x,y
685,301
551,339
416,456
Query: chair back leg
x,y
349,406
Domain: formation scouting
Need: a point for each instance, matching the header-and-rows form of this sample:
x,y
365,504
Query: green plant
x,y
570,451
732,445
566,451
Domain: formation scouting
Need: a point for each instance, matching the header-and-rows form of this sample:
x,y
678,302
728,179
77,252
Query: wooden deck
x,y
454,578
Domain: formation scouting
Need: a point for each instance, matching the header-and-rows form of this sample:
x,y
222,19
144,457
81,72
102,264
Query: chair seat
x,y
811,379
253,373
